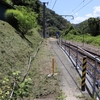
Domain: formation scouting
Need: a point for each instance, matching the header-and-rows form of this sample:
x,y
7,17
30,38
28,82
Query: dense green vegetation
x,y
87,31
86,38
15,53
55,22
91,26
29,14
94,26
21,19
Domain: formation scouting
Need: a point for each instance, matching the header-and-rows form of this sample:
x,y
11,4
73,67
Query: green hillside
x,y
16,59
15,51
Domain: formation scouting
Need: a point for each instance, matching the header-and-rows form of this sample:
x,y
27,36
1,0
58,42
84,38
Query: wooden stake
x,y
53,66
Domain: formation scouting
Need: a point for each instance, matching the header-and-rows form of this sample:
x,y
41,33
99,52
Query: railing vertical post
x,y
94,80
65,45
69,49
76,57
83,83
59,41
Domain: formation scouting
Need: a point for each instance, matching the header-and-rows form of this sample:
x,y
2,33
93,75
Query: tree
x,y
94,26
15,2
82,27
69,29
34,4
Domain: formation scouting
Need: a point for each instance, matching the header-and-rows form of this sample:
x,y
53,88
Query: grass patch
x,y
86,38
61,95
43,86
15,52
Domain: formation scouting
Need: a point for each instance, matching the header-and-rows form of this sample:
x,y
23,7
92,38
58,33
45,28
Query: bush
x,y
96,40
29,21
73,31
8,1
52,31
22,20
13,17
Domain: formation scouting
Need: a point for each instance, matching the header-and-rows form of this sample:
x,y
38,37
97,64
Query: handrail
x,y
92,80
88,54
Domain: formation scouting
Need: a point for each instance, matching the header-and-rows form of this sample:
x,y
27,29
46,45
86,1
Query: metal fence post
x,y
65,45
83,84
69,49
76,57
94,80
59,41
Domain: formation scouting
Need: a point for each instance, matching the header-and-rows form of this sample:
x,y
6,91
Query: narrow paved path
x,y
69,77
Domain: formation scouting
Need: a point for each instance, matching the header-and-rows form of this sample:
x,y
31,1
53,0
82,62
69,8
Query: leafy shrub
x,y
70,36
8,1
96,40
52,31
13,17
69,29
73,31
16,89
29,21
22,20
89,39
66,31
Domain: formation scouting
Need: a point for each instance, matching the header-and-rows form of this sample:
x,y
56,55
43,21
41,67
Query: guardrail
x,y
92,69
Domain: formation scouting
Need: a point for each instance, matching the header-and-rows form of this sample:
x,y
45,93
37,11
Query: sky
x,y
80,9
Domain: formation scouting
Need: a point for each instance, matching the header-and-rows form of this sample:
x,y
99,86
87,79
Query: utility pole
x,y
44,18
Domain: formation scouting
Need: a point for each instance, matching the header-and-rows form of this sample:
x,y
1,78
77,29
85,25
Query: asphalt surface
x,y
69,78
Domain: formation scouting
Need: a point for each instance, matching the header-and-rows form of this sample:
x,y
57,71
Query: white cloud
x,y
89,15
97,10
78,20
76,13
95,13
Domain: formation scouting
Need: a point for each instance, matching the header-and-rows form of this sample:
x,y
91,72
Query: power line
x,y
77,6
83,6
68,16
54,4
50,2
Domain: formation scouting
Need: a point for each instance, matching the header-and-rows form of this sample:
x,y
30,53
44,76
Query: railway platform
x,y
70,82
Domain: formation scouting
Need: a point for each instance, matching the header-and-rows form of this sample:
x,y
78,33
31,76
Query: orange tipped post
x,y
53,66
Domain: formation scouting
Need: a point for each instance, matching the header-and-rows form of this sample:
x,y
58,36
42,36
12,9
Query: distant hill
x,y
54,22
83,26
